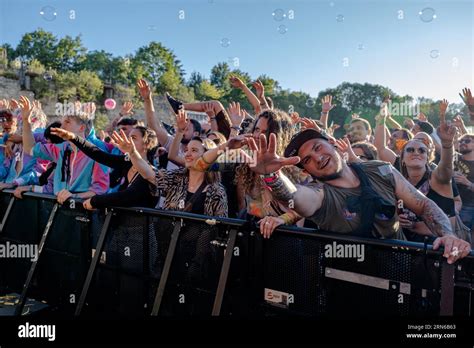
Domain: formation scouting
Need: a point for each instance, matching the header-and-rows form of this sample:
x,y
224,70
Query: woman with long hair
x,y
434,183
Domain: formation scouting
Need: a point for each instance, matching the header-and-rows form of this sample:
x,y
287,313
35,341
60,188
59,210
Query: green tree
x,y
206,91
158,65
220,77
61,55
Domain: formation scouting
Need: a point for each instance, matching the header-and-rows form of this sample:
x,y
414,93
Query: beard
x,y
465,151
336,175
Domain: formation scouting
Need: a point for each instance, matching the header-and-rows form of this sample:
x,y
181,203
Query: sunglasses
x,y
420,150
465,141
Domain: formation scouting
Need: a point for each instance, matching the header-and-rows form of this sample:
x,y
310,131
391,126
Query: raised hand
x,y
127,109
181,121
63,134
14,104
295,117
267,161
344,146
4,104
144,89
327,105
458,122
308,123
26,108
124,143
236,82
237,142
209,110
259,89
443,106
236,114
468,99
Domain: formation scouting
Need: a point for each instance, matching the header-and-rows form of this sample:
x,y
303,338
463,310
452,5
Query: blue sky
x,y
433,59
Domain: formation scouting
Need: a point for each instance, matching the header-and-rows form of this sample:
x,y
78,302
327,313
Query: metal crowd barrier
x,y
140,262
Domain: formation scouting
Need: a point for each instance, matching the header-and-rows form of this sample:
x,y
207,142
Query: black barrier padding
x,y
293,266
296,266
194,274
127,281
64,263
25,224
464,288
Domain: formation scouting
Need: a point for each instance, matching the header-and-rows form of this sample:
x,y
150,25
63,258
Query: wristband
x,y
270,178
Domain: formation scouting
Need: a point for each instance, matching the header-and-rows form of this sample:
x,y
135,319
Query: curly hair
x,y
281,125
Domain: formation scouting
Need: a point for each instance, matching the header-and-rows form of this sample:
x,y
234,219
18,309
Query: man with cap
x,y
356,199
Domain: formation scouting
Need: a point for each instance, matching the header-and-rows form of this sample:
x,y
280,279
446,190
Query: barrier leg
x,y
21,304
224,273
447,289
166,268
7,212
93,265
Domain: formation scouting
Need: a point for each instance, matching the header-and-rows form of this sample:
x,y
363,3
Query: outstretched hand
x,y
124,143
144,89
63,134
327,105
267,161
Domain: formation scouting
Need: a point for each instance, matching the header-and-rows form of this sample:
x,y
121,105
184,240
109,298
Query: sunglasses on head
x,y
465,141
420,150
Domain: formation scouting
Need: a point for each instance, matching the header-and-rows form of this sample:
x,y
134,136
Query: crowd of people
x,y
410,182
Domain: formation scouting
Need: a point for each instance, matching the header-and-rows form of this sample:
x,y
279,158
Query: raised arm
x,y
268,165
92,151
252,98
127,146
260,90
444,171
181,124
152,121
380,140
326,106
434,218
28,138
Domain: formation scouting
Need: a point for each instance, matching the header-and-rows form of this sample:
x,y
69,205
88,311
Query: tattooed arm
x,y
296,197
433,217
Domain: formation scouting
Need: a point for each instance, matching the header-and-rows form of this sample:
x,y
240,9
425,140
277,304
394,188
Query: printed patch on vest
x,y
348,215
385,169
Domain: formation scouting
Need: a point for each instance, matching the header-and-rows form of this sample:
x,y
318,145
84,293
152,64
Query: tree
x,y
69,53
61,55
84,85
38,44
158,65
206,91
195,79
220,77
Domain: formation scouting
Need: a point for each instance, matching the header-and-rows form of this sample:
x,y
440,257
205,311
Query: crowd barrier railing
x,y
140,261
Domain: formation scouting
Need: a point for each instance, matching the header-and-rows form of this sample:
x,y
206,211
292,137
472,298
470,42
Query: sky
x,y
306,45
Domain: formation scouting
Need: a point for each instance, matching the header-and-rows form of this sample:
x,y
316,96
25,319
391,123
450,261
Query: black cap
x,y
299,139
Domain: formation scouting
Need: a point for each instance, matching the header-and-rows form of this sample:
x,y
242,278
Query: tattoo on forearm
x,y
282,189
436,219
